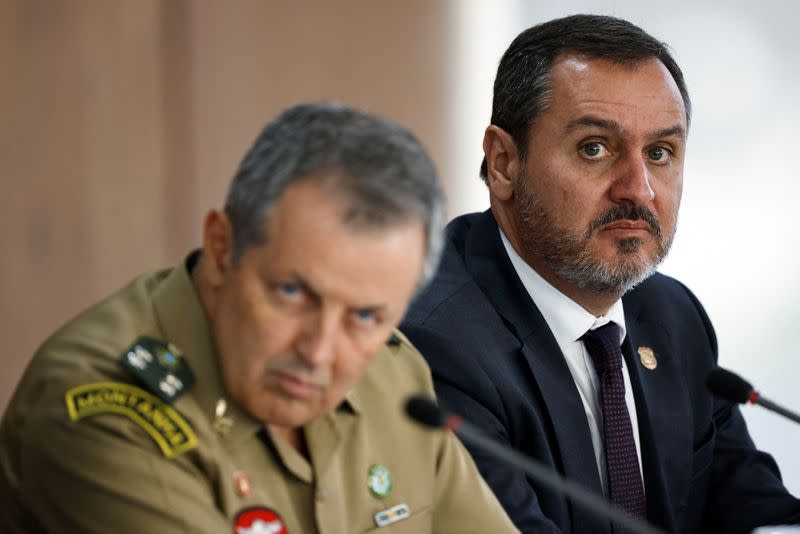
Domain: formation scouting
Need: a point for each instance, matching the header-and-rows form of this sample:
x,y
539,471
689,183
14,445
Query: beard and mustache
x,y
566,253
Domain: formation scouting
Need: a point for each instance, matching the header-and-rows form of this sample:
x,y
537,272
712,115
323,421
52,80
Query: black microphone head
x,y
729,386
425,412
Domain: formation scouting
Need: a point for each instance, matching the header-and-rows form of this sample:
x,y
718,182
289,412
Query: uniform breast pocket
x,y
419,522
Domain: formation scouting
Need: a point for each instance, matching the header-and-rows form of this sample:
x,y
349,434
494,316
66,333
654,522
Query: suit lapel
x,y
487,261
662,403
567,420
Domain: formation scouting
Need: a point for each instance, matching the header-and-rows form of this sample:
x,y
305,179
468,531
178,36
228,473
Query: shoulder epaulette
x,y
159,367
394,340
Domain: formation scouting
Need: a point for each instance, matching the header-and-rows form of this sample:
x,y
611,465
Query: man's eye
x,y
593,150
289,291
659,154
365,317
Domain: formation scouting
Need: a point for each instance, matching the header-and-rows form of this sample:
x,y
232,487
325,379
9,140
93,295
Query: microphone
x,y
731,387
425,412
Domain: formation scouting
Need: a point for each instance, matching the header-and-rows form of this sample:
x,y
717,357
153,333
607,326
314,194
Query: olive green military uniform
x,y
85,446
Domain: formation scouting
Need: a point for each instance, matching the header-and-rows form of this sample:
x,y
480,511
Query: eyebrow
x,y
317,297
303,283
676,130
604,124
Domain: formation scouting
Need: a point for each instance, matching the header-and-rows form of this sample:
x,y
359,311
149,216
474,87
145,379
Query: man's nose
x,y
318,339
632,182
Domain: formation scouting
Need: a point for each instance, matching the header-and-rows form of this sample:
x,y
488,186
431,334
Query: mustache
x,y
626,212
297,369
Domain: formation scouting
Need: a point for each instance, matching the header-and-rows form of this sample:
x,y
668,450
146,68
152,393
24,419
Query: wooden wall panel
x,y
124,122
252,58
49,270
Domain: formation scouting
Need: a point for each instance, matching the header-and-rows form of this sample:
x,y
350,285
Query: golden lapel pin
x,y
242,483
222,424
648,358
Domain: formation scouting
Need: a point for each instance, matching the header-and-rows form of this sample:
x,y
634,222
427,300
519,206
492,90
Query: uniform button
x,y
321,494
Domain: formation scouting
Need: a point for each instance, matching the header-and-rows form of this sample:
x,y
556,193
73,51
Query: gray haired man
x,y
253,389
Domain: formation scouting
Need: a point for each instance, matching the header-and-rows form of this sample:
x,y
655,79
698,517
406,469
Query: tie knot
x,y
603,346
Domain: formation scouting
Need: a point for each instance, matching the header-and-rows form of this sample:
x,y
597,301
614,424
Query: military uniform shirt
x,y
214,465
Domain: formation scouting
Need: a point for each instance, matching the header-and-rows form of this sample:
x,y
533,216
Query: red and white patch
x,y
258,520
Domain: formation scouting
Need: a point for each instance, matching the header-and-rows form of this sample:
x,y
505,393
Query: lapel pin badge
x,y
222,424
392,515
242,483
648,358
379,480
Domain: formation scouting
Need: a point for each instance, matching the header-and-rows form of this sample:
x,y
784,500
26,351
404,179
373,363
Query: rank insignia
x,y
166,426
258,520
379,481
392,515
159,367
647,357
222,423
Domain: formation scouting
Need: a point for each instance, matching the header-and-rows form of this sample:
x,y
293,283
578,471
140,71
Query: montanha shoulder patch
x,y
163,423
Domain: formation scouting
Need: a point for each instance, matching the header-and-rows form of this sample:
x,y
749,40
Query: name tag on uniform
x,y
392,515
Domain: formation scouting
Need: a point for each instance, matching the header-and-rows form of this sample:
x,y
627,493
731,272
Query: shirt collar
x,y
184,322
567,319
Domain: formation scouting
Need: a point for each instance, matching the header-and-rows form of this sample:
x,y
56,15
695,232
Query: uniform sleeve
x,y
104,474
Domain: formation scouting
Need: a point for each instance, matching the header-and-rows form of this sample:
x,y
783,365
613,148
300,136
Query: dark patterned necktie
x,y
624,480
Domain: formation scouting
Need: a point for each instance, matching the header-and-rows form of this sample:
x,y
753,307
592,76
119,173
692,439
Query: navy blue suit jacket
x,y
496,362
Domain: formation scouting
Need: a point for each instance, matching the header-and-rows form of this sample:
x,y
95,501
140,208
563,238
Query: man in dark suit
x,y
547,325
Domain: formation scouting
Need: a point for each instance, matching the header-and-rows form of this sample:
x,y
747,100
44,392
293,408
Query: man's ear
x,y
502,162
217,246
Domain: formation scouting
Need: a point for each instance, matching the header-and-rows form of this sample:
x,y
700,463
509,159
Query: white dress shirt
x,y
569,321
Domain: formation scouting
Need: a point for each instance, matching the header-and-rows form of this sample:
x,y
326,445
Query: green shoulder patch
x,y
159,367
166,426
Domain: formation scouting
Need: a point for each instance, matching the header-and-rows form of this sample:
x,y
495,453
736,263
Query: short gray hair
x,y
380,167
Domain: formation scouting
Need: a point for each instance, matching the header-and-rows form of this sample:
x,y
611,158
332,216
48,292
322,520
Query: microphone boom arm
x,y
425,412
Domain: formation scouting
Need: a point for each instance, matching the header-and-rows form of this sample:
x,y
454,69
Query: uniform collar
x,y
184,322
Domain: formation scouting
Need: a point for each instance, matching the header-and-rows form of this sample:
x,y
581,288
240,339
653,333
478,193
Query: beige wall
x,y
124,120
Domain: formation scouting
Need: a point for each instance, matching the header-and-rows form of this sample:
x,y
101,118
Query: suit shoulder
x,y
660,289
666,300
453,296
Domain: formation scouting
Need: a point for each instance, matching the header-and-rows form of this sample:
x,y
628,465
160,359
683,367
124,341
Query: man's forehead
x,y
310,241
590,121
605,90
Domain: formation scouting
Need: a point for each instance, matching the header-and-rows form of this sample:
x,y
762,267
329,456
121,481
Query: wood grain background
x,y
124,120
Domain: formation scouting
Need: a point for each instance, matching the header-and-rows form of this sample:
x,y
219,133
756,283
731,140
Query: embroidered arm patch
x,y
166,426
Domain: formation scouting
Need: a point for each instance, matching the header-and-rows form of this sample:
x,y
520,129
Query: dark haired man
x,y
546,324
253,389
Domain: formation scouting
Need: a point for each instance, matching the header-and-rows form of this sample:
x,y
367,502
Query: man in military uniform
x,y
253,389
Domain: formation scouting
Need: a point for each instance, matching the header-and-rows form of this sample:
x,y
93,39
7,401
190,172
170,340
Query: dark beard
x,y
566,253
